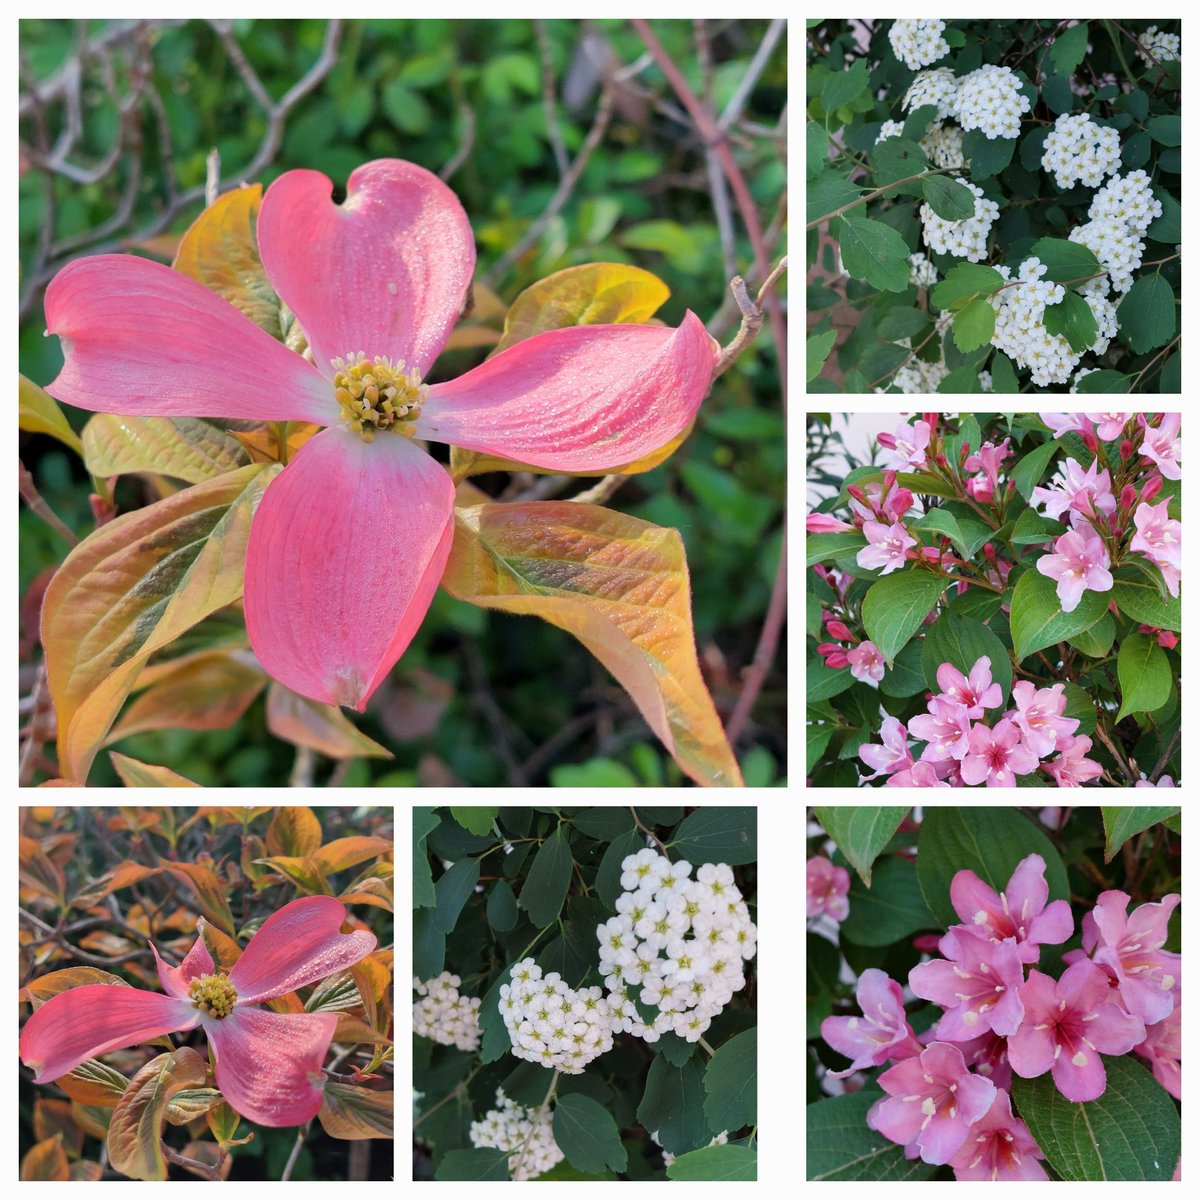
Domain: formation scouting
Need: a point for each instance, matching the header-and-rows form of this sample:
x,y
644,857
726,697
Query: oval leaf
x,y
354,1112
861,832
181,447
38,412
891,909
718,835
1037,619
1144,673
875,252
962,641
737,1164
587,1134
545,888
731,1083
841,1147
673,1104
1120,824
895,606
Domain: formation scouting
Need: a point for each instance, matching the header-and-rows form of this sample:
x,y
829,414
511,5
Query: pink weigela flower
x,y
1063,423
988,1055
1164,1048
824,523
945,729
1130,948
350,540
1039,716
1109,425
923,774
1072,768
1162,444
827,887
975,692
893,755
999,1147
880,1034
1078,491
1079,564
268,1064
905,449
997,755
866,663
1159,539
887,546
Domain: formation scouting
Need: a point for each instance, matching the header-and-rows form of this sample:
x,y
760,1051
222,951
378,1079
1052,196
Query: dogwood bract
x,y
268,1064
349,542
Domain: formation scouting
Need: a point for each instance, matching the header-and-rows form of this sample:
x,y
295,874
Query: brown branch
x,y
465,145
39,507
1126,769
752,316
1163,758
209,1171
648,832
40,729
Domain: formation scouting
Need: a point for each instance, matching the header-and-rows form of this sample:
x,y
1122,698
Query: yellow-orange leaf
x,y
220,945
351,1112
86,1170
94,1084
354,1030
350,851
181,447
211,891
378,893
38,412
305,872
322,727
47,1160
130,588
263,444
294,832
223,1122
36,871
139,774
620,586
38,991
54,1117
135,1132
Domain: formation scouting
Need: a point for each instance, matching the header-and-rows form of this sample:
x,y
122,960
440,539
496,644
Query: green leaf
x,y
844,87
605,823
1104,381
816,148
731,1083
905,677
673,1103
720,835
951,200
918,121
1167,131
1147,314
829,192
1167,228
1073,319
987,156
963,283
425,821
502,913
891,909
1032,529
1144,673
902,322
38,412
989,841
861,832
1136,151
817,739
875,252
922,484
546,886
1004,375
900,161
842,1148
974,325
1057,94
674,1049
818,348
1122,823
478,821
1140,600
822,684
1080,706
1131,1132
1065,262
1028,473
453,891
962,641
429,945
587,1134
734,1164
473,1165
1097,641
1036,619
1069,48
895,606
608,874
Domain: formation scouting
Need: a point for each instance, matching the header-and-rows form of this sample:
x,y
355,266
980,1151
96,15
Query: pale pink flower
x,y
1053,816
906,451
824,523
945,729
893,755
881,501
989,459
996,755
1079,564
932,1102
1164,781
880,1034
1039,716
1072,768
1164,1048
886,546
866,663
1077,490
980,488
1068,1024
1157,536
920,774
1162,444
975,692
268,1064
1130,947
1109,425
999,1148
827,889
1062,423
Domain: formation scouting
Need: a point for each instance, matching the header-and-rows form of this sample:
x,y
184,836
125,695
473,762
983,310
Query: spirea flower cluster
x,y
676,943
922,272
938,87
1154,46
1118,249
990,100
963,239
527,1132
552,1024
1077,150
917,43
943,146
1127,198
442,1015
949,1101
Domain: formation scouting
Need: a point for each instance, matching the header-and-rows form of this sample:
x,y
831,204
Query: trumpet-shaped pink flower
x,y
893,755
997,755
827,886
932,1102
905,449
880,1034
887,546
1164,1048
1079,564
1130,947
1078,491
921,774
1159,539
1068,1024
978,983
866,663
1039,716
988,1055
988,459
1109,425
975,692
1162,444
945,729
268,1064
824,523
1020,912
1063,423
999,1147
881,501
1163,781
349,542
1072,768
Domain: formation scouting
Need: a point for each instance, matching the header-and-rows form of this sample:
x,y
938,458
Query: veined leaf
x,y
354,1112
1037,619
731,1083
321,727
620,586
895,606
1144,674
133,773
294,830
46,1161
841,1147
587,1134
189,1103
38,412
733,1164
181,447
346,852
1122,822
212,892
860,833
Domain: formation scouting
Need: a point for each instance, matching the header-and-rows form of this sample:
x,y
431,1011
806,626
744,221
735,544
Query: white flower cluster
x,y
938,87
889,129
917,43
722,1139
990,100
918,377
512,1127
1077,150
702,926
921,272
943,146
443,1015
1118,249
552,1024
964,239
1161,47
1127,198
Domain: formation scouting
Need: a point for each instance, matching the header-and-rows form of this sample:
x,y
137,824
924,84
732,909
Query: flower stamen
x,y
213,994
377,394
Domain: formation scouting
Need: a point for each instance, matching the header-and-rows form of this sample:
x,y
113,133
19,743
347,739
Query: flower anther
x,y
213,995
377,393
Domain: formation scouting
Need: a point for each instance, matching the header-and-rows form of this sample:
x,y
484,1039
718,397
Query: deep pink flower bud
x,y
835,662
1012,487
899,502
827,616
825,649
989,551
1126,449
1128,496
1152,487
1147,629
856,492
1089,440
940,459
886,440
930,419
1167,639
963,451
889,481
840,631
820,571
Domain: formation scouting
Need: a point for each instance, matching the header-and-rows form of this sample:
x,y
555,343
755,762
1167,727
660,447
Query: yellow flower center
x,y
377,394
213,994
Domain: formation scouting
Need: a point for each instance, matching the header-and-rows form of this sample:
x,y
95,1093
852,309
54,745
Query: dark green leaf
x,y
604,823
1138,599
816,149
674,1049
502,911
1104,381
546,885
817,739
1069,48
1147,314
1136,151
673,1104
718,835
1165,130
875,252
843,87
1028,473
1167,228
1032,529
987,157
733,1164
587,1134
895,606
1097,641
1065,262
424,820
608,876
891,909
731,1083
1037,620
826,547
900,322
453,891
1122,823
842,1148
829,191
1073,319
1056,92
1144,673
1004,376
861,832
429,946
905,678
473,1164
951,200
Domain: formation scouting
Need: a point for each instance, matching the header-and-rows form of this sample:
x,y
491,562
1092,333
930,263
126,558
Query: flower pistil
x,y
377,393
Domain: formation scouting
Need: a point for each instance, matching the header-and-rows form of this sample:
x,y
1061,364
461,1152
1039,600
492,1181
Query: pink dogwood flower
x,y
931,1103
1078,491
1079,564
975,692
827,887
1072,768
1162,444
1109,425
1020,912
866,663
905,449
999,1147
945,729
997,755
1039,716
886,546
824,523
268,1064
1068,1024
978,983
350,540
880,1034
1130,948
1163,1046
893,755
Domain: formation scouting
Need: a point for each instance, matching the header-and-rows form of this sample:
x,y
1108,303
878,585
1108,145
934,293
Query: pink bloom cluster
x,y
961,749
905,449
863,658
948,1101
986,462
827,887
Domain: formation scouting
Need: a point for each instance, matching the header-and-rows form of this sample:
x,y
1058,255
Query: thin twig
x,y
717,187
536,1122
648,832
39,507
212,177
40,729
733,110
549,105
301,1134
303,768
1163,758
599,492
208,1170
752,316
1126,769
466,142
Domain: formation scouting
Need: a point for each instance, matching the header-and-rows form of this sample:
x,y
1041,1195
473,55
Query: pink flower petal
x,y
584,398
385,272
269,1064
143,340
175,980
90,1020
346,550
299,944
